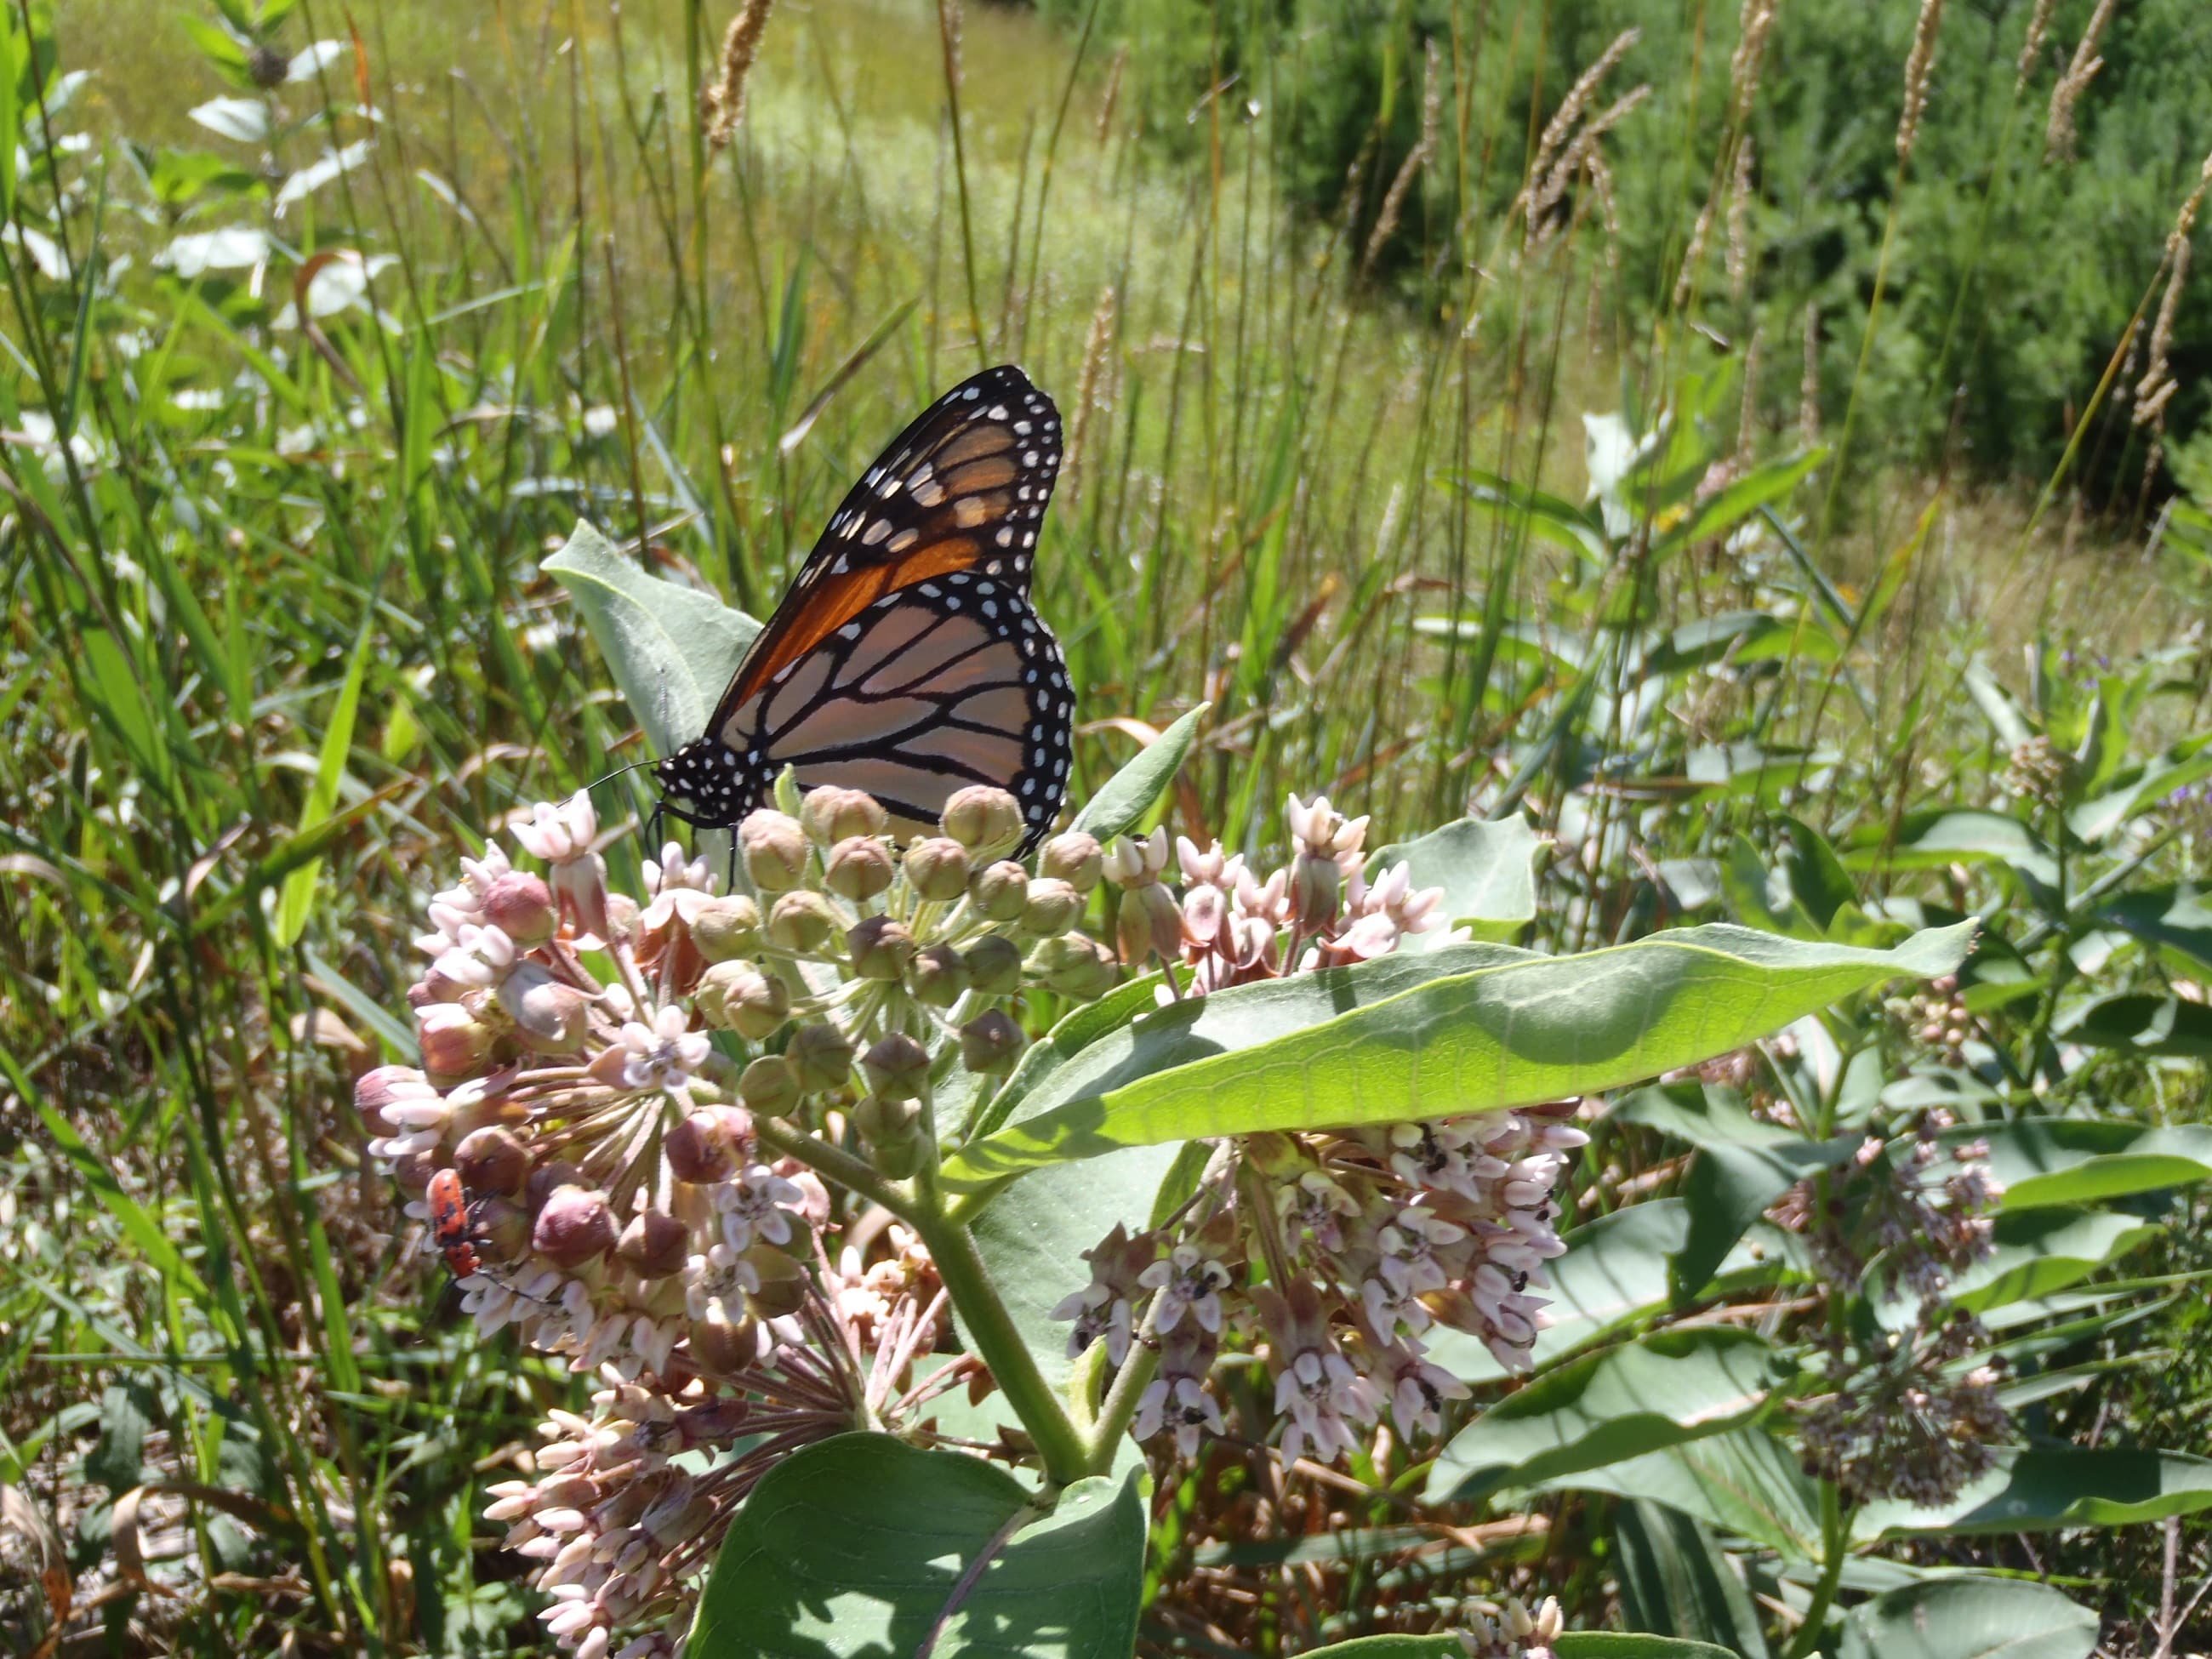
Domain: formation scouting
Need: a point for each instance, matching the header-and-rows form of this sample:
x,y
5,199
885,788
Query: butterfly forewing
x,y
906,660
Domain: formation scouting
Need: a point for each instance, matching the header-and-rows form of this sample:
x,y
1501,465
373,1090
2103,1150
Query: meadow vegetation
x,y
1654,427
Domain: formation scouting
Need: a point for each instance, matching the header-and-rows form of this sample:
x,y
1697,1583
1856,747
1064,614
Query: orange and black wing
x,y
906,660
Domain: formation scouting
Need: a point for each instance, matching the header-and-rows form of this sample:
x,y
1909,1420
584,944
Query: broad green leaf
x,y
1970,1618
297,898
2042,1488
2141,787
1674,1577
1748,1482
1614,1270
1936,836
1742,1165
1488,871
2174,919
672,649
1514,1034
1742,636
2046,1161
1633,1644
1558,521
1661,1390
2036,1252
1446,1646
1123,800
2140,1023
863,1545
2006,717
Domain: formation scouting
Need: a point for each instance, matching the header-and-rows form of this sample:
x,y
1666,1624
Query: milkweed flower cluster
x,y
628,1095
1364,1239
1904,1415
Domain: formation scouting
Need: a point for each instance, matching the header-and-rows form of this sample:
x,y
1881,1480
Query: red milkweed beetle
x,y
452,1227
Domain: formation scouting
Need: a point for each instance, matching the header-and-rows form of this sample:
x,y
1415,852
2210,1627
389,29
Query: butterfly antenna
x,y
617,773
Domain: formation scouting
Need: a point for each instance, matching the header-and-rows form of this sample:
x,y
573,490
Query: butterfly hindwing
x,y
906,658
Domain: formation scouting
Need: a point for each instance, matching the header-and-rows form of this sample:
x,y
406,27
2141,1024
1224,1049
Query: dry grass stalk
x,y
2058,133
1739,223
1809,383
1113,90
1559,150
1746,415
948,26
1920,65
1755,23
723,102
2039,30
2156,388
1423,152
1092,388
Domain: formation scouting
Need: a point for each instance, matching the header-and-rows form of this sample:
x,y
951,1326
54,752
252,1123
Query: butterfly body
x,y
451,1228
907,660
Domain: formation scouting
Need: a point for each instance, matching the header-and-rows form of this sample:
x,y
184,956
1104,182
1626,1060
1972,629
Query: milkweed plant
x,y
908,1202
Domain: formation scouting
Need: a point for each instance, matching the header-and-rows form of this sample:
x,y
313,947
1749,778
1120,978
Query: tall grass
x,y
281,458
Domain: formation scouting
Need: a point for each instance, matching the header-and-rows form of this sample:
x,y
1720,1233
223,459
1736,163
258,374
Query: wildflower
x,y
663,1054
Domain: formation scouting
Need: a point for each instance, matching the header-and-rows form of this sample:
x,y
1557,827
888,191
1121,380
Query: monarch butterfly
x,y
906,660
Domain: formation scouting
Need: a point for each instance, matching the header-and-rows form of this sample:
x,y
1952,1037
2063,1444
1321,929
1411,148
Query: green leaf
x,y
1936,836
1633,1644
1487,870
1121,802
1741,1166
297,899
2043,1488
1742,636
863,1545
1446,1646
1615,1270
2007,721
1662,1390
1720,513
1748,1482
1514,1034
672,649
2142,788
1548,517
2173,919
2037,1251
1674,1577
2140,1023
1970,1618
2044,1161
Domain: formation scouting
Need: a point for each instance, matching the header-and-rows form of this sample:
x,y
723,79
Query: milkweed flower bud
x,y
493,1159
655,1243
994,966
896,1066
1052,907
879,948
775,850
892,1129
990,1043
830,815
1000,891
1075,966
575,1226
385,1085
936,976
520,906
937,869
823,1056
726,926
738,997
703,1148
1075,857
1148,922
859,867
453,1042
553,1015
798,922
769,1085
780,1282
987,821
562,834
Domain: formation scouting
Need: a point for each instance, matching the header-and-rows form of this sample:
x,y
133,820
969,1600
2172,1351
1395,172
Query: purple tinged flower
x,y
716,1284
663,1054
759,1204
1419,1387
559,834
1182,1405
1189,1280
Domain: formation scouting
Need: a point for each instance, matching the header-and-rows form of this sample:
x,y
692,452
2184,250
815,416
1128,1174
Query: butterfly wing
x,y
906,660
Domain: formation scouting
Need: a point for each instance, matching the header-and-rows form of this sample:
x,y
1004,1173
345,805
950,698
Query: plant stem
x,y
1121,1402
1832,1572
841,1166
990,1328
